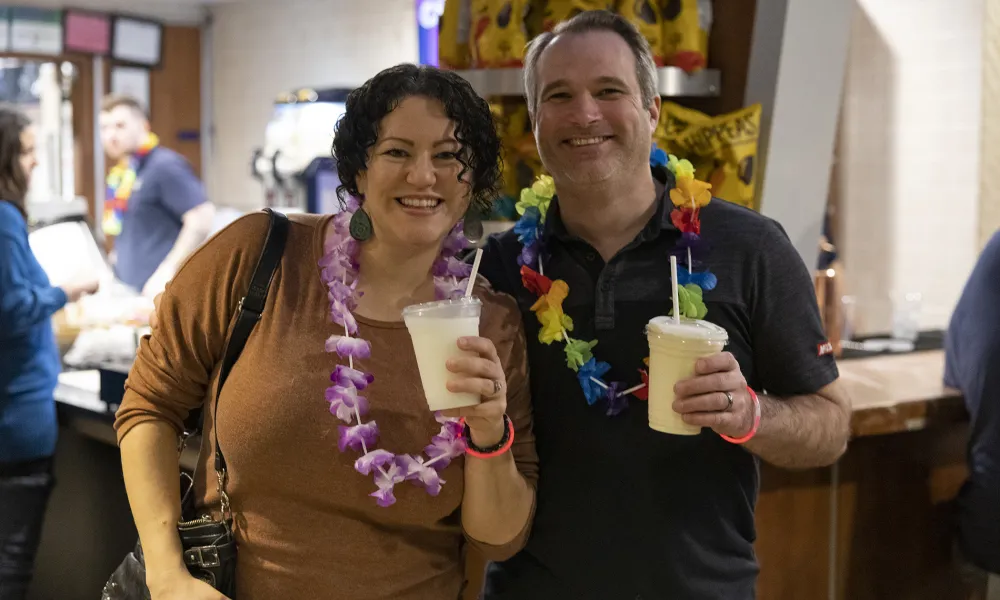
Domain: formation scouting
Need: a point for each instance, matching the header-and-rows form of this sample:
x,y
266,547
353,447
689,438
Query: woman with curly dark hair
x,y
328,504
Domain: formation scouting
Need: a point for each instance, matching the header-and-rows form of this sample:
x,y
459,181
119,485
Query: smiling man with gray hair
x,y
625,512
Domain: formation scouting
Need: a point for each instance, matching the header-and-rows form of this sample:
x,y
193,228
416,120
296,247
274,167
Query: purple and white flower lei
x,y
339,267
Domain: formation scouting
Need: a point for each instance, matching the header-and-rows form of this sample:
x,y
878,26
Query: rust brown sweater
x,y
306,526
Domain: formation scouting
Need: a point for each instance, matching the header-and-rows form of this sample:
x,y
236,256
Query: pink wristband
x,y
756,421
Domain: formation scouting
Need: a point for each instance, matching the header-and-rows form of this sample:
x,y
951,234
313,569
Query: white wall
x,y
908,172
261,48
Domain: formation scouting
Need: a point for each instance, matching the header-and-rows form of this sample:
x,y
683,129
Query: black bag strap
x,y
250,309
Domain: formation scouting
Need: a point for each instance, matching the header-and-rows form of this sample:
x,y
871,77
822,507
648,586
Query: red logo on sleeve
x,y
824,349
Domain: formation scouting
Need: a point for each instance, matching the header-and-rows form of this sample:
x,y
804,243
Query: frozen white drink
x,y
673,350
435,328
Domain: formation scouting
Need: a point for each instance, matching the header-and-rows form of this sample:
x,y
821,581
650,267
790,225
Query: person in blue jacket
x,y
972,365
29,364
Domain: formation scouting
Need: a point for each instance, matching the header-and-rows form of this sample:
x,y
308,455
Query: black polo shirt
x,y
625,512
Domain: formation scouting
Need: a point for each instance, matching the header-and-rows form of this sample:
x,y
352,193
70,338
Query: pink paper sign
x,y
87,32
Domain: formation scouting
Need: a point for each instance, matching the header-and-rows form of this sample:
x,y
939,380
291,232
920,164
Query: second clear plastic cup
x,y
435,328
673,350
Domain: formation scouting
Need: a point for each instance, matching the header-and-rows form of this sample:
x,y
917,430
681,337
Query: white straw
x,y
475,270
599,382
673,290
634,388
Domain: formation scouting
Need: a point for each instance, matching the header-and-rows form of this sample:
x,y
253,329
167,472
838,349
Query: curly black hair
x,y
475,130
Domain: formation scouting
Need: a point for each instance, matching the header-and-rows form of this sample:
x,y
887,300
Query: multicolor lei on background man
x,y
120,180
688,197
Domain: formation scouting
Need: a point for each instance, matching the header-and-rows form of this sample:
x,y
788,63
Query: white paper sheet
x,y
68,253
81,389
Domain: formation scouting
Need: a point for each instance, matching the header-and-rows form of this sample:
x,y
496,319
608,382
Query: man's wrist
x,y
755,416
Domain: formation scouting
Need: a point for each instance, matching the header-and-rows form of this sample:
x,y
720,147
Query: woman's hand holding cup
x,y
482,375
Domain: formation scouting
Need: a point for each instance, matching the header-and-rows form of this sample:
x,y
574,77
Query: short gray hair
x,y
584,22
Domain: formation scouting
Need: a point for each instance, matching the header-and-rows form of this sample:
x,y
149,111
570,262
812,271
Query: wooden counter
x,y
892,394
877,525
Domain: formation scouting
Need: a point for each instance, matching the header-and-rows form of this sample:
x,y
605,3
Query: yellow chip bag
x,y
646,16
686,24
675,120
521,164
520,153
557,11
722,149
534,19
499,33
453,34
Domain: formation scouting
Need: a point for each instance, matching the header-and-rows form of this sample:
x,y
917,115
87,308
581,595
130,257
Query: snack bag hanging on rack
x,y
499,33
557,11
646,16
479,21
686,24
534,19
723,149
674,121
527,165
453,34
521,162
507,127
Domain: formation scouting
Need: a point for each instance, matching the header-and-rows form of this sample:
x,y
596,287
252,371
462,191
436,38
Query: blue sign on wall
x,y
428,14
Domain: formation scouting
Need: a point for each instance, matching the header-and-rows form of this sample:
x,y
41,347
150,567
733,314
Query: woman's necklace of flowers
x,y
339,267
688,197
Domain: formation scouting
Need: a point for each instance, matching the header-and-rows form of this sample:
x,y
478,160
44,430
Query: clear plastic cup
x,y
673,350
906,316
435,328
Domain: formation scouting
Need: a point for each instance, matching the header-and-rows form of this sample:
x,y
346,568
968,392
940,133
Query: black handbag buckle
x,y
205,557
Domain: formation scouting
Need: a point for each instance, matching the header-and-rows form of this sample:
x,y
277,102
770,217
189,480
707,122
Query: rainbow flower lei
x,y
339,272
688,197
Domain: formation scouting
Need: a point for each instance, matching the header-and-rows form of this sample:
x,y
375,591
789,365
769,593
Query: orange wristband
x,y
756,421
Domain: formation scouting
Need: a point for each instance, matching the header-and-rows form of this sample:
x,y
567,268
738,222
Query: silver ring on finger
x,y
729,401
497,386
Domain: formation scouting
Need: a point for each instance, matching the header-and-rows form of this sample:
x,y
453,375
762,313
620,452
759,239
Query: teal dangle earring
x,y
361,225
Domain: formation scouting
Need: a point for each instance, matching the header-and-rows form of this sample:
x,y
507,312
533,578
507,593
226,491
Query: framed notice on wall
x,y
36,31
87,32
137,41
131,81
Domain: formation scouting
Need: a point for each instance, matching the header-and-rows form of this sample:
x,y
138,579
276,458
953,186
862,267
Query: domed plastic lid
x,y
688,328
445,309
